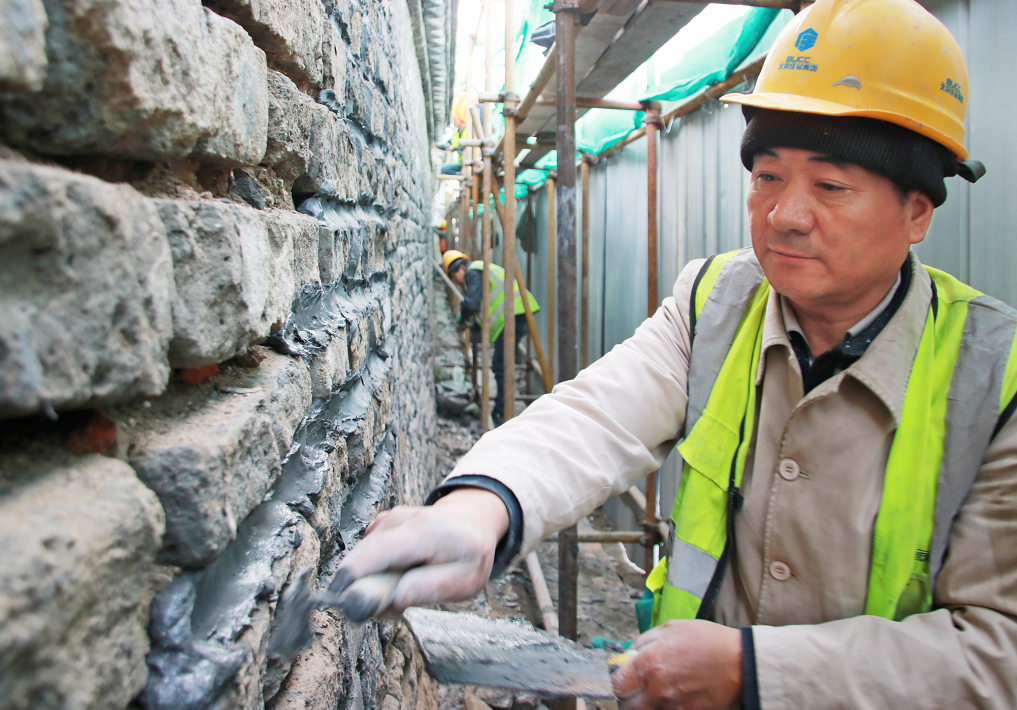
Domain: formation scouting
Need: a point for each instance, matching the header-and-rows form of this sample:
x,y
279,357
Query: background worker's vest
x,y
498,298
963,378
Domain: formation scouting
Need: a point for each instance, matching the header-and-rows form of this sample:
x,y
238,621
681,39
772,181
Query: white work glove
x,y
446,549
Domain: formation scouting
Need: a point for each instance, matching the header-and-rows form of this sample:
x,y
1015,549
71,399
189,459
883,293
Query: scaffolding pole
x,y
584,321
485,306
566,13
652,121
508,256
551,242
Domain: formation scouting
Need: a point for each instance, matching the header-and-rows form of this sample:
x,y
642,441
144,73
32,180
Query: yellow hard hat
x,y
451,256
461,106
444,225
892,61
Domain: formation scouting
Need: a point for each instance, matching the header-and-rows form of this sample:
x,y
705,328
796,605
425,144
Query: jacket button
x,y
788,469
780,571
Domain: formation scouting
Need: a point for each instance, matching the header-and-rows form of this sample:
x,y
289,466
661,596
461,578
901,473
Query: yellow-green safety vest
x,y
961,390
498,298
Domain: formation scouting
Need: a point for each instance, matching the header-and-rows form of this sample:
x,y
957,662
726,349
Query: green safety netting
x,y
725,39
677,71
714,60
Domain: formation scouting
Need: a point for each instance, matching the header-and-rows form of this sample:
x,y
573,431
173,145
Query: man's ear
x,y
918,213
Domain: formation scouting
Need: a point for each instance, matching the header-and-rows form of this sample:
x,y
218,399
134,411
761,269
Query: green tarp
x,y
676,72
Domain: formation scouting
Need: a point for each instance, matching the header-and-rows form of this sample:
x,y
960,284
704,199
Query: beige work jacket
x,y
804,536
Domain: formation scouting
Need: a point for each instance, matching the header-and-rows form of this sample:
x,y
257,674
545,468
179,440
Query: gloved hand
x,y
460,325
689,664
447,548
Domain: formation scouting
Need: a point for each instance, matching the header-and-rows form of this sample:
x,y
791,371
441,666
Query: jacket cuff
x,y
750,683
511,542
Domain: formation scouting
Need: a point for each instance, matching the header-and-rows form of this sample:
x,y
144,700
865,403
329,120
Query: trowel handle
x,y
366,597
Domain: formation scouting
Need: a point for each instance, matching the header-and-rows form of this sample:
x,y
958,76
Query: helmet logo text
x,y
799,63
806,40
952,88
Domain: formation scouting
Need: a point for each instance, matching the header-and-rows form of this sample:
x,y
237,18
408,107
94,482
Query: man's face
x,y
828,233
459,275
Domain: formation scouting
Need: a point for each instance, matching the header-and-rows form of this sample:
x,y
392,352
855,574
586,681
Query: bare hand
x,y
447,548
682,665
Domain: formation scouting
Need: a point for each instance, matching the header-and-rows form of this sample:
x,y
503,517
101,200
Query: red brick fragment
x,y
98,436
197,375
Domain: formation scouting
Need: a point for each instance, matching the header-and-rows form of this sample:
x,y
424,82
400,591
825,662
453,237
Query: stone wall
x,y
215,348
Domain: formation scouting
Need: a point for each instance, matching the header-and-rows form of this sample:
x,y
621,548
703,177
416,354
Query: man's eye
x,y
829,187
766,177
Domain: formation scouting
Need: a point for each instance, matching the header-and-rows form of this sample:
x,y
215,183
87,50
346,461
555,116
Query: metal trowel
x,y
506,653
457,648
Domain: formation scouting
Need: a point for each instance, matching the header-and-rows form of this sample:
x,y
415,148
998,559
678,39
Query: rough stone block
x,y
239,105
308,145
318,675
289,31
234,279
22,45
145,82
303,232
77,544
86,288
211,459
333,252
329,366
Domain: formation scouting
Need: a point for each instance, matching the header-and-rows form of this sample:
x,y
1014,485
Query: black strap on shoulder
x,y
692,300
1005,416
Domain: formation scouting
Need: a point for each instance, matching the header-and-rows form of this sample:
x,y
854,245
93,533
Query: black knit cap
x,y
909,159
454,266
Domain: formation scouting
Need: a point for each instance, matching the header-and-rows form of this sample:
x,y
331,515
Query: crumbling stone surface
x,y
22,45
308,145
211,454
86,287
234,279
173,80
289,31
78,538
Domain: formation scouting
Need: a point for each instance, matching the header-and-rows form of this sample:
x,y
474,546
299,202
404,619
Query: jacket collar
x,y
886,365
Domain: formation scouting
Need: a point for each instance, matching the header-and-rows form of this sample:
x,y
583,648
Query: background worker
x,y
460,110
458,267
845,530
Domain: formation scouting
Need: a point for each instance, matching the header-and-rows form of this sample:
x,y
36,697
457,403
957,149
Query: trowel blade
x,y
499,653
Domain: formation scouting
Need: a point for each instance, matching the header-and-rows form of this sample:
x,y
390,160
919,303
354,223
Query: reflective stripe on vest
x,y
963,376
498,298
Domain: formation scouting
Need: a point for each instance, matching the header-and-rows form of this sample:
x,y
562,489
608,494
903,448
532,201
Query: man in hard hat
x,y
457,265
845,528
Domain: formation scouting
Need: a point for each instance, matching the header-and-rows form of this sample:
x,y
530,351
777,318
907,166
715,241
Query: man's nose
x,y
793,211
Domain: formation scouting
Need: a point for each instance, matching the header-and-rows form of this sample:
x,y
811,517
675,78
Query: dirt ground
x,y
606,602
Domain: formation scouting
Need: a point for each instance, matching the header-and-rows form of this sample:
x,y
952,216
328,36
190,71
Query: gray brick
x,y
77,544
86,288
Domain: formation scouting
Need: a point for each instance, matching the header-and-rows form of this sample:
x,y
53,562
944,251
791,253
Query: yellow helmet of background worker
x,y
461,106
882,59
450,257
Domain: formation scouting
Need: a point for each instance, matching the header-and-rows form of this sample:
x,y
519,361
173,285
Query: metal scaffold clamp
x,y
563,6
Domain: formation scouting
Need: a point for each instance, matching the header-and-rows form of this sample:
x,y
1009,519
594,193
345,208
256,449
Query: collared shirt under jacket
x,y
812,489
